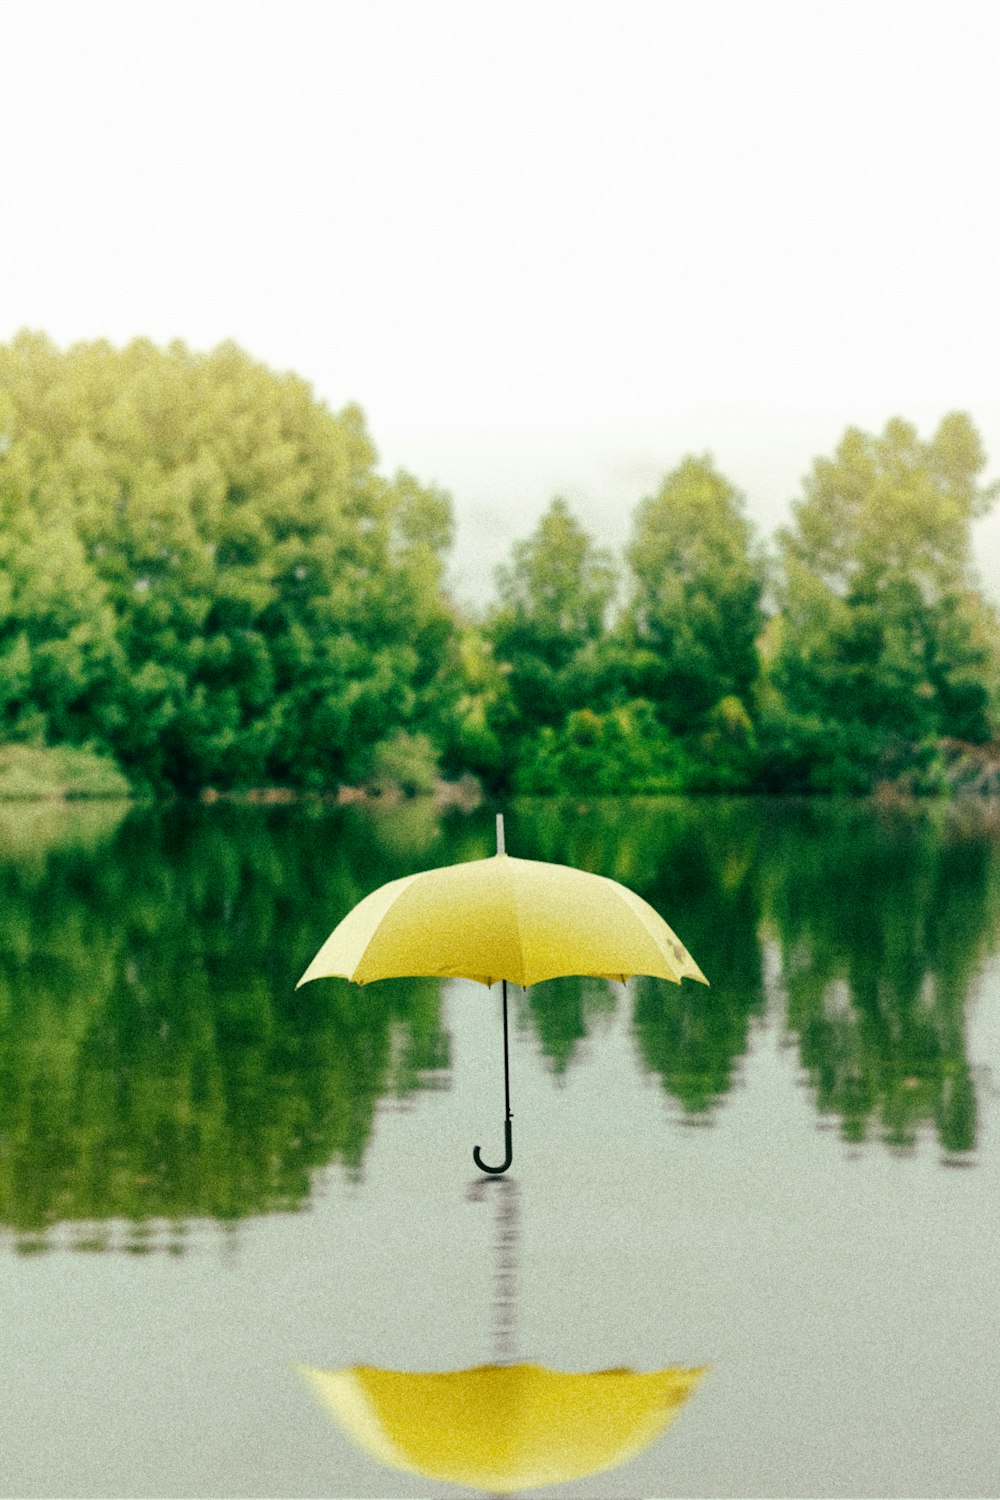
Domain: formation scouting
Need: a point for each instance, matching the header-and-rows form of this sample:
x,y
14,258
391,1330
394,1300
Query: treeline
x,y
203,577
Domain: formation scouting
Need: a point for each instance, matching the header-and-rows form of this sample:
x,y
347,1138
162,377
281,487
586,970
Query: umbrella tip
x,y
500,839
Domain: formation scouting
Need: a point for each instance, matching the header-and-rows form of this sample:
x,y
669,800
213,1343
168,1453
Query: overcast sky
x,y
547,247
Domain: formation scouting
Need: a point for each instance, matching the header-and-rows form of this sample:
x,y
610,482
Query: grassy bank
x,y
36,772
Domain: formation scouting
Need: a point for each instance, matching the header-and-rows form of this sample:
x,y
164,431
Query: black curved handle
x,y
496,1171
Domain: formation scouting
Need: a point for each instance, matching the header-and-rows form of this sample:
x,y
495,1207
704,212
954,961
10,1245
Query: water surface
x,y
207,1177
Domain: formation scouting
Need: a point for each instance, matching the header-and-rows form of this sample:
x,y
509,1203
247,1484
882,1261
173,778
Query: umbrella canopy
x,y
503,1428
502,918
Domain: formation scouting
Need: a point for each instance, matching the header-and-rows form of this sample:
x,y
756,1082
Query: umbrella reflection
x,y
507,1426
503,1428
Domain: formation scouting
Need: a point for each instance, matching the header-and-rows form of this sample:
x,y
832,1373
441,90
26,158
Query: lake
x,y
209,1179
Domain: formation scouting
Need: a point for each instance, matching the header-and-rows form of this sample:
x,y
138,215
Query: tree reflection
x,y
157,1064
156,1061
883,916
562,1013
708,885
696,863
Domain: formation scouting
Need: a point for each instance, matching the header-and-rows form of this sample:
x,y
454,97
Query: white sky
x,y
547,247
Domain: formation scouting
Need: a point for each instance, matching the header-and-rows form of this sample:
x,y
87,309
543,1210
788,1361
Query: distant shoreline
x,y
62,773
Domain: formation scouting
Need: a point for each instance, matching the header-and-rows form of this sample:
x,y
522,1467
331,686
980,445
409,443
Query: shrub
x,y
405,762
625,750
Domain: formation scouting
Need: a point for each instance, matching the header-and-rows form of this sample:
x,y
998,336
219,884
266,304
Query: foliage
x,y
619,753
882,644
60,659
553,603
408,762
881,647
555,593
202,571
472,734
205,580
695,606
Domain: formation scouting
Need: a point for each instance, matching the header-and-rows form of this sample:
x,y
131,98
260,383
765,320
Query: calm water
x,y
207,1178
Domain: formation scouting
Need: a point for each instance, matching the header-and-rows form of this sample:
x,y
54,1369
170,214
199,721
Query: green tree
x,y
60,660
692,621
545,632
883,643
276,604
479,703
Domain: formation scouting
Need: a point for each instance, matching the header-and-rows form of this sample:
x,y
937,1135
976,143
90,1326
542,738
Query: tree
x,y
553,603
883,644
276,606
694,615
479,709
60,660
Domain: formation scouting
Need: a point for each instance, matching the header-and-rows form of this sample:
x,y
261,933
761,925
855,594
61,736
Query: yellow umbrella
x,y
503,1427
502,918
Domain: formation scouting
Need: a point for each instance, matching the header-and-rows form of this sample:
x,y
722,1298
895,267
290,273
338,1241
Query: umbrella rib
x,y
644,912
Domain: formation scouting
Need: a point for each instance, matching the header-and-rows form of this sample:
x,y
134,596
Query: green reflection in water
x,y
695,861
883,916
157,1065
156,1061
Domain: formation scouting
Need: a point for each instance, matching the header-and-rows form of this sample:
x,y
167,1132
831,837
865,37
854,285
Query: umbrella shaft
x,y
509,1157
506,1054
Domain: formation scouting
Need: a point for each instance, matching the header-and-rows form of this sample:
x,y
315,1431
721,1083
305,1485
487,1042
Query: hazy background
x,y
546,247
